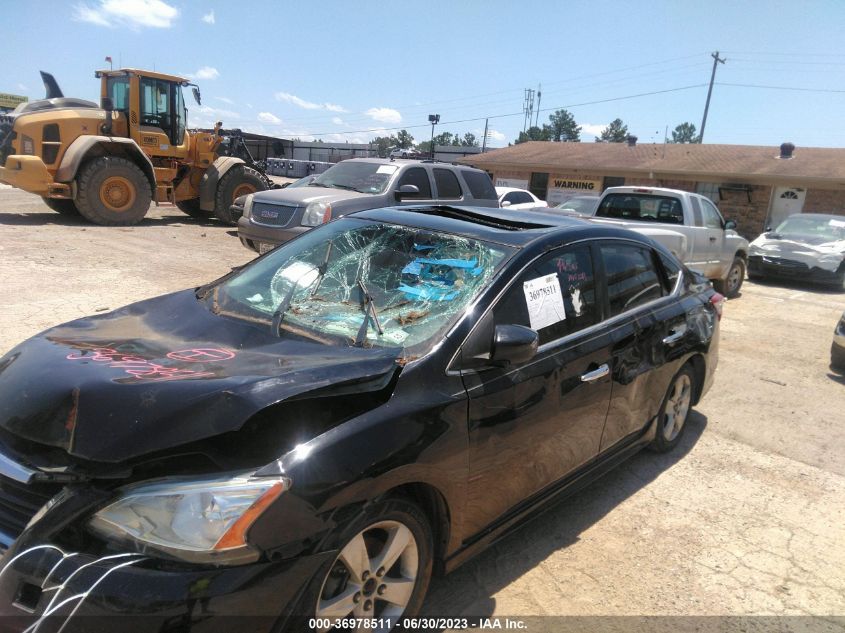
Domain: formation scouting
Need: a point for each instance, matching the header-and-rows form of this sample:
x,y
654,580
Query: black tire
x,y
730,285
235,183
397,510
192,208
64,206
131,198
664,441
837,357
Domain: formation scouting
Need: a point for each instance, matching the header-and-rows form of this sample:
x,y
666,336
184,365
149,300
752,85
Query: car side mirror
x,y
506,203
407,190
730,225
514,344
107,104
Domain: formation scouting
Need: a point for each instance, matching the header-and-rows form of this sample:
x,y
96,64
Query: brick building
x,y
755,185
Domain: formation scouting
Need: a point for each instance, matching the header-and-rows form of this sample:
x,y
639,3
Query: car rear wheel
x,y
730,285
672,418
61,205
382,570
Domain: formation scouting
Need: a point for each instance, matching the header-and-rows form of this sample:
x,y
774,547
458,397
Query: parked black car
x,y
312,436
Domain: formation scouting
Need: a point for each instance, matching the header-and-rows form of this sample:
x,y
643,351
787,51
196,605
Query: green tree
x,y
563,127
685,133
404,139
469,140
535,133
616,132
384,144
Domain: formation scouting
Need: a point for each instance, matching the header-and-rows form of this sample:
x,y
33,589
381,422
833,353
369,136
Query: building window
x,y
539,185
612,181
709,190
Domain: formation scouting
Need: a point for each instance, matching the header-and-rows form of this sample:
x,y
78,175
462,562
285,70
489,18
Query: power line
x,y
791,88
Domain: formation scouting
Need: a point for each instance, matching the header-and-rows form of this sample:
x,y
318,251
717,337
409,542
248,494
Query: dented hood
x,y
813,251
161,373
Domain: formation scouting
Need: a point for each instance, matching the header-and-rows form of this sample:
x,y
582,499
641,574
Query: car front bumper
x,y
766,266
252,235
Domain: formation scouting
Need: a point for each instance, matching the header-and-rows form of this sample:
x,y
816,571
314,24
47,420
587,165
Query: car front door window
x,y
418,177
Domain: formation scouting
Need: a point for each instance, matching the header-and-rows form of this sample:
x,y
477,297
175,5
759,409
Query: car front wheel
x,y
382,570
730,285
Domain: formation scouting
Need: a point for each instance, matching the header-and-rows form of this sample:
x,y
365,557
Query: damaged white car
x,y
805,246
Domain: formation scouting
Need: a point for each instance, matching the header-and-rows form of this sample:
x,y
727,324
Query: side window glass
x,y
118,90
672,270
632,278
155,103
448,187
416,176
510,197
712,217
520,197
480,184
555,296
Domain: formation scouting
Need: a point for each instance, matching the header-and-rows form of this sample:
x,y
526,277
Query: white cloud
x,y
594,129
206,72
225,100
496,135
132,13
384,115
208,18
269,117
205,116
337,120
307,105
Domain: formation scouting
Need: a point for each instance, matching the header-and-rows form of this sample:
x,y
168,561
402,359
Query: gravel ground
x,y
746,518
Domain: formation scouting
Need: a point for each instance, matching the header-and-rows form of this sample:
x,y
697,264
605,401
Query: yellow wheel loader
x,y
108,162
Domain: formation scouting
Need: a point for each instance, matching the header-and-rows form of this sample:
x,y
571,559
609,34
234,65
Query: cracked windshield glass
x,y
364,283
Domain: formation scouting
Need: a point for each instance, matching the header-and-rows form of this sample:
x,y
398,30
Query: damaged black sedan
x,y
309,438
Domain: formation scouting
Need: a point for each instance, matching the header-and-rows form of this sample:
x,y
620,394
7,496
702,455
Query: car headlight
x,y
195,520
317,213
248,205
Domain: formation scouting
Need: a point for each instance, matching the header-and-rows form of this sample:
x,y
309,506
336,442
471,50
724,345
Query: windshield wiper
x,y
322,268
279,314
370,312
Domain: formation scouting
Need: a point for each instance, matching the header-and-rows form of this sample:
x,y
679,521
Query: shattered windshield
x,y
364,283
828,228
361,177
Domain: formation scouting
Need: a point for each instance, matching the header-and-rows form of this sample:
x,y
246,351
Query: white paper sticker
x,y
839,223
386,169
544,301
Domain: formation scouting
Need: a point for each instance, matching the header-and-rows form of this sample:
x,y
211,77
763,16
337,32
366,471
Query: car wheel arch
x,y
699,368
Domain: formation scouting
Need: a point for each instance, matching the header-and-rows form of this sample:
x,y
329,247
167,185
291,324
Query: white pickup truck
x,y
687,224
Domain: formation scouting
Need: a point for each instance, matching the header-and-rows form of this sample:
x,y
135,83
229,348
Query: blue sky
x,y
353,70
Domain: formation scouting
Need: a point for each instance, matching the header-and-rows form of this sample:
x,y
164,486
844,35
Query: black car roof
x,y
490,224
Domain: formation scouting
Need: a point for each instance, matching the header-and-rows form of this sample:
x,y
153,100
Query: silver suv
x,y
269,218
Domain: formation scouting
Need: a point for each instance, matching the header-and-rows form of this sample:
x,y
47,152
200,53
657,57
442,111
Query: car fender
x,y
212,176
86,147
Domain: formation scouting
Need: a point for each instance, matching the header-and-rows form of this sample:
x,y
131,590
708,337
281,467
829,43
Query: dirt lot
x,y
748,517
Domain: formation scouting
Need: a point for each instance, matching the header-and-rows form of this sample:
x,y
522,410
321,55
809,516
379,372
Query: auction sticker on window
x,y
544,300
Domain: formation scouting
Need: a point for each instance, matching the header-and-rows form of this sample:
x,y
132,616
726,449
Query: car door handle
x,y
596,374
675,336
712,239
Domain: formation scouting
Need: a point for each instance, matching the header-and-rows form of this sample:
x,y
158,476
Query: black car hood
x,y
161,373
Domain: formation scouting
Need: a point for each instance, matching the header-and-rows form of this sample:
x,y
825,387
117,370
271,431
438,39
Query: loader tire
x,y
238,181
192,208
113,191
64,206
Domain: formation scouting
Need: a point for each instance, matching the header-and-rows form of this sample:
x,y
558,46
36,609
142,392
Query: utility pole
x,y
434,119
484,142
528,108
716,60
539,95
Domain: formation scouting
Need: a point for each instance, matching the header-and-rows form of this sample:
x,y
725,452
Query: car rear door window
x,y
419,177
448,187
565,276
480,185
671,270
632,277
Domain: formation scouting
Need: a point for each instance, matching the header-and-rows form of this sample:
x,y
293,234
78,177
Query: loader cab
x,y
153,109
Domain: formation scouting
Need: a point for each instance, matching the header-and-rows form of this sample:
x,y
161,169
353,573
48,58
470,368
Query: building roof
x,y
733,162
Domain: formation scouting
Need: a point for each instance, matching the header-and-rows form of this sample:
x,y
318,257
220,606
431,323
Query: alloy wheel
x,y
373,576
677,407
734,278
